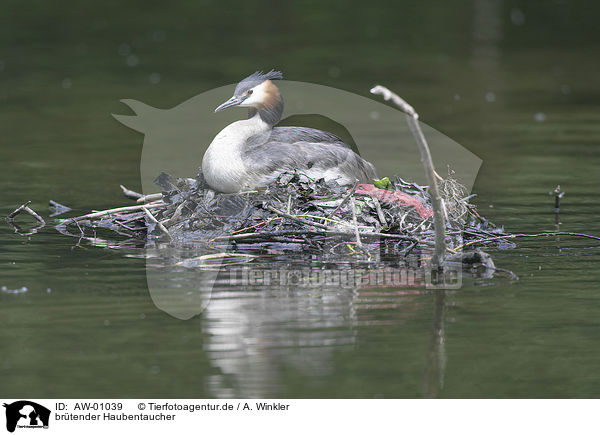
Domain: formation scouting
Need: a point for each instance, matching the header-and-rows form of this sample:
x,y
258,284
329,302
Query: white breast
x,y
222,165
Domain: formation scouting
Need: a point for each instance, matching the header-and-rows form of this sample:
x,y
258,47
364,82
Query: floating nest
x,y
294,213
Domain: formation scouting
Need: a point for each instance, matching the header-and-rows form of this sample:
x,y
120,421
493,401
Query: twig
x,y
151,197
113,211
344,200
95,240
380,214
436,200
158,224
266,235
80,229
396,99
35,215
25,208
294,218
217,256
176,214
297,219
408,250
241,230
512,236
333,221
356,233
136,216
17,211
557,197
127,227
130,193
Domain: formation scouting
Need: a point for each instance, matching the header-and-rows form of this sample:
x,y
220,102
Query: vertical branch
x,y
436,200
558,194
356,233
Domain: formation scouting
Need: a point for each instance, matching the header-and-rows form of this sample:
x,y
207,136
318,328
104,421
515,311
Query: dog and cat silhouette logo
x,y
26,414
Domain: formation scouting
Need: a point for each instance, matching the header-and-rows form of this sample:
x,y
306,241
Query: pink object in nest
x,y
388,196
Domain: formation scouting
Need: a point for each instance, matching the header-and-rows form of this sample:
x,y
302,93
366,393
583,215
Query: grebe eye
x,y
250,92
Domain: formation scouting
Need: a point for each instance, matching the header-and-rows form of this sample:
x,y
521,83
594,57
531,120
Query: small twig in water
x,y
25,208
558,194
513,236
17,210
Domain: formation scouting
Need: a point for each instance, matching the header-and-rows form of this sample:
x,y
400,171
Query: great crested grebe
x,y
253,153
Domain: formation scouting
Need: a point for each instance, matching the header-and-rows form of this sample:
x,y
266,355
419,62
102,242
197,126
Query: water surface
x,y
512,82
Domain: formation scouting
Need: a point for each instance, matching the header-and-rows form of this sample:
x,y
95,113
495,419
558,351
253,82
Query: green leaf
x,y
383,183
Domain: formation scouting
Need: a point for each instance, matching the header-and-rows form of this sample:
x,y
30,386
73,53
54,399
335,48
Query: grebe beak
x,y
233,101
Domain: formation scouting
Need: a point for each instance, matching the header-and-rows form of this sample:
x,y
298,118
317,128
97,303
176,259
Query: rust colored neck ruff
x,y
270,107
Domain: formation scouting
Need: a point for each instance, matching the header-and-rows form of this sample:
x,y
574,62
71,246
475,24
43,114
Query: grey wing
x,y
304,134
328,160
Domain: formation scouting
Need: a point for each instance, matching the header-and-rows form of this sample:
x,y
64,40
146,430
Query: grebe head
x,y
257,92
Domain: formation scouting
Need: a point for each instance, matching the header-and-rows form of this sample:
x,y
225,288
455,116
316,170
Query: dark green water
x,y
513,82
